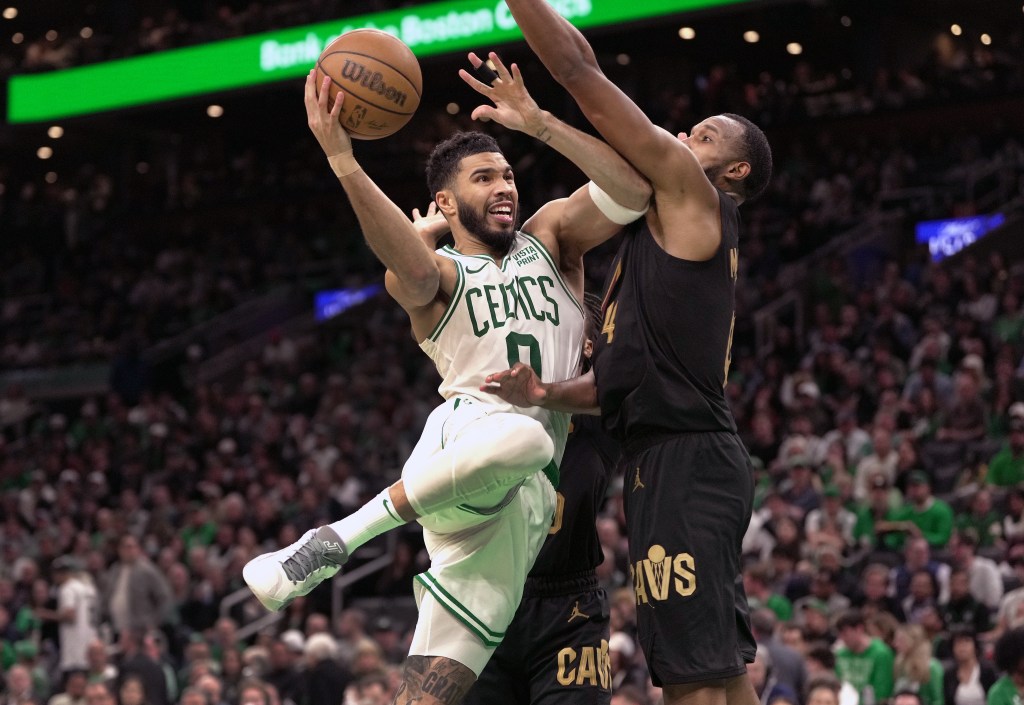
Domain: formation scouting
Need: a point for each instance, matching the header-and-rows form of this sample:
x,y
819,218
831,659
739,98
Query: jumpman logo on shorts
x,y
637,485
577,613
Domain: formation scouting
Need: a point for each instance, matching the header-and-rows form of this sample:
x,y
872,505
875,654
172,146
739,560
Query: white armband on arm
x,y
612,210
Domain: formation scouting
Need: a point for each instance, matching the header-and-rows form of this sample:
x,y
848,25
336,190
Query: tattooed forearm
x,y
433,680
544,135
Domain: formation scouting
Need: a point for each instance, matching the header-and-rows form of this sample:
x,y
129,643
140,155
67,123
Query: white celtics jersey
x,y
518,310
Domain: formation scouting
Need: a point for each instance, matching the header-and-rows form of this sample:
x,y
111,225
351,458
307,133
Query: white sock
x,y
372,519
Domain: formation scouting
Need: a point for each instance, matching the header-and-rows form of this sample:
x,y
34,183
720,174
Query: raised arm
x,y
660,156
515,109
618,194
413,274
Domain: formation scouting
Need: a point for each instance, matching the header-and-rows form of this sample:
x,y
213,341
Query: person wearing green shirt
x,y
924,515
1006,468
866,663
757,580
1010,660
879,508
982,521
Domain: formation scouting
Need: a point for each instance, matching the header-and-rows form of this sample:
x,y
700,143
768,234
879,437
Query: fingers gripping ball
x,y
380,78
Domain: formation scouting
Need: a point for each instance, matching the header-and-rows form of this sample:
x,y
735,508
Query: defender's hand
x,y
513,106
323,121
430,227
519,386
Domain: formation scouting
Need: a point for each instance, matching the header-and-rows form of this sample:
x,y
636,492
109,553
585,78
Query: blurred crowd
x,y
97,264
889,522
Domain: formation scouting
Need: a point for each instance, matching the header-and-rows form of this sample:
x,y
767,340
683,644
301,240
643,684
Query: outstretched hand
x,y
430,227
323,120
519,386
513,106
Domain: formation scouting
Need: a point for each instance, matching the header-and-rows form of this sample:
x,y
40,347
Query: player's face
x,y
714,143
487,200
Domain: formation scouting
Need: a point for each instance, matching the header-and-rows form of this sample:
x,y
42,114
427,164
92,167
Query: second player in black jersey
x,y
665,344
556,649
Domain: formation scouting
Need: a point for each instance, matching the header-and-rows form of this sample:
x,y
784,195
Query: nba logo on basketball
x,y
355,116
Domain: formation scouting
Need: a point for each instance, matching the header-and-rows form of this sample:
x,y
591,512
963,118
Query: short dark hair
x,y
823,654
911,693
850,618
963,632
444,160
758,153
1010,650
824,681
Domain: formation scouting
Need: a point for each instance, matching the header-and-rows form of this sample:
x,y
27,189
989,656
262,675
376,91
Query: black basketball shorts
x,y
555,651
688,500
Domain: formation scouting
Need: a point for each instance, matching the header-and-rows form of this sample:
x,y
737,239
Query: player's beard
x,y
476,223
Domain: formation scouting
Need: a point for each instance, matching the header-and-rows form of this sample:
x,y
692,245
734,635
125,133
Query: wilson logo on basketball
x,y
373,80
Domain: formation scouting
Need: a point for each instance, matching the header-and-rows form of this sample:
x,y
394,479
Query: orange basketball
x,y
381,80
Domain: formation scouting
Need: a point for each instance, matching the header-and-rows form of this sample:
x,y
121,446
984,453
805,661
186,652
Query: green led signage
x,y
436,28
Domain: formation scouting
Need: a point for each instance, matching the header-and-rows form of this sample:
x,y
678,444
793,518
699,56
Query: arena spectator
x,y
964,610
622,654
823,691
1009,658
924,516
880,461
864,662
832,524
787,663
766,685
325,677
135,662
986,584
982,523
135,594
99,694
757,583
967,679
1006,468
874,596
915,669
77,604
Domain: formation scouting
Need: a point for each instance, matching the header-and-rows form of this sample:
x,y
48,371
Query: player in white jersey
x,y
482,478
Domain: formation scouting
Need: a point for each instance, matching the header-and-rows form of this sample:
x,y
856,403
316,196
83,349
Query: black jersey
x,y
663,355
573,546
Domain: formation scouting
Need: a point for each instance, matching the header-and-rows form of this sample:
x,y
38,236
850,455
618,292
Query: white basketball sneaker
x,y
279,577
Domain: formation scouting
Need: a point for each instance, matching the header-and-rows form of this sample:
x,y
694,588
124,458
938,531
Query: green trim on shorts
x,y
558,273
460,284
551,472
458,400
491,511
458,610
394,515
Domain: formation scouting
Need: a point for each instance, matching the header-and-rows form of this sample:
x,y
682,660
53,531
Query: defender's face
x,y
487,199
714,143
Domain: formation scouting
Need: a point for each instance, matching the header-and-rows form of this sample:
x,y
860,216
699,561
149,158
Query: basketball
x,y
381,80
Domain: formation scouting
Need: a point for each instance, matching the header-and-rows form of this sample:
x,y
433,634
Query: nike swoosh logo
x,y
476,271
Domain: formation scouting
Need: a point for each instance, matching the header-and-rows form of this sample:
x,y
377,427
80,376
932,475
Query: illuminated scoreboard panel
x,y
436,28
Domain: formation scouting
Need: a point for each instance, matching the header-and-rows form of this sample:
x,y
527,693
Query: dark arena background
x,y
198,361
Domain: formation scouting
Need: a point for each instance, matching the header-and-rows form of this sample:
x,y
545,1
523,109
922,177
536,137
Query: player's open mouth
x,y
501,212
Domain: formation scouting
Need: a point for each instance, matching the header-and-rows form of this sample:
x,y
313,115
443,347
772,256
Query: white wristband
x,y
343,164
612,210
